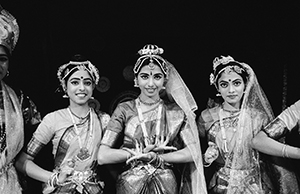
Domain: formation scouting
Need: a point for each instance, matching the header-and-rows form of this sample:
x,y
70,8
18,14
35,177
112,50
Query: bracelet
x,y
157,161
284,152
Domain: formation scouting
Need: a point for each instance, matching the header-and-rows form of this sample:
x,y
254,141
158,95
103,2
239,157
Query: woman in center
x,y
158,137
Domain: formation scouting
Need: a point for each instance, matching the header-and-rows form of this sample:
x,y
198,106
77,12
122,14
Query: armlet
x,y
34,147
276,129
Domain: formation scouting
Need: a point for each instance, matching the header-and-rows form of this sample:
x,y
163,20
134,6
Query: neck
x,y
231,107
80,111
149,101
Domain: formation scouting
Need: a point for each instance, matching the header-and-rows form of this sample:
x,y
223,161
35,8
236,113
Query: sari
x,y
11,139
140,177
244,177
68,153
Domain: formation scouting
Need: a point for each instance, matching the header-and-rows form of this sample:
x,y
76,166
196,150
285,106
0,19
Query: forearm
x,y
267,145
107,155
26,165
180,156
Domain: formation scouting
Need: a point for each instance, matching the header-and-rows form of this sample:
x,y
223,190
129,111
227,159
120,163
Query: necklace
x,y
143,126
149,103
83,152
232,112
80,118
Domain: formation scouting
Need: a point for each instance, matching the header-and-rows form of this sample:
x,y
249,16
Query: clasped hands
x,y
148,153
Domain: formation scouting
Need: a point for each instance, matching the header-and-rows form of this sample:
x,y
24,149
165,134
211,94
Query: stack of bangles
x,y
284,152
157,161
53,180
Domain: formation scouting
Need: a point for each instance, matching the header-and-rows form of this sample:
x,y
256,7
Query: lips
x,y
150,90
82,95
232,96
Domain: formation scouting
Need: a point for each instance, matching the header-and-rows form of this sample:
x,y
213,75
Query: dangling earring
x,y
7,73
135,83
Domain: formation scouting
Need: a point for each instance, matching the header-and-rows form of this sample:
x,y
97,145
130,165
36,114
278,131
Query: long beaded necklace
x,y
224,138
83,152
142,122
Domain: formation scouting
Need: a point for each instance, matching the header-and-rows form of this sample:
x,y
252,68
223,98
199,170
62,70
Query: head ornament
x,y
152,53
72,66
9,30
224,61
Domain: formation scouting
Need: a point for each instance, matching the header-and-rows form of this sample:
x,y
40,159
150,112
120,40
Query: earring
x,y
163,88
218,94
135,83
92,97
65,96
7,73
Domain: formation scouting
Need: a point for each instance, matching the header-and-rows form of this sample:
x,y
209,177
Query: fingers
x,y
164,148
139,157
129,150
149,148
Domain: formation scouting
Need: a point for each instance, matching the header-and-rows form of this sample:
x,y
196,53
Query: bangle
x,y
284,152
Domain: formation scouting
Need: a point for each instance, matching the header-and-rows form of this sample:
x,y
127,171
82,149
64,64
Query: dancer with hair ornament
x,y
159,145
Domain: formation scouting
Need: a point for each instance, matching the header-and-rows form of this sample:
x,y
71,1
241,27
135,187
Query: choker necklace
x,y
231,111
78,117
149,103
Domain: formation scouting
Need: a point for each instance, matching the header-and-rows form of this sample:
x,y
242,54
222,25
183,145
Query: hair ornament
x,y
9,30
223,60
226,69
152,53
72,66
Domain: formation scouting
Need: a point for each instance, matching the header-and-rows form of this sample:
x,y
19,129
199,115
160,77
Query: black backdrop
x,y
264,35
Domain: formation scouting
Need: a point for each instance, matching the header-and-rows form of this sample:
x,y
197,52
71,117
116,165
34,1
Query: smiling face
x,y
4,62
231,86
150,81
80,88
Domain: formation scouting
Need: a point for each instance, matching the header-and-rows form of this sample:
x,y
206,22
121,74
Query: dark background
x,y
264,35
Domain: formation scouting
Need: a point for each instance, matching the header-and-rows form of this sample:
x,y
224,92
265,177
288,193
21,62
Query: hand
x,y
138,155
211,153
161,144
64,174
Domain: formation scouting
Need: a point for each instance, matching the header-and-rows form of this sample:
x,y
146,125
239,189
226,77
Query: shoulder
x,y
210,114
104,118
56,114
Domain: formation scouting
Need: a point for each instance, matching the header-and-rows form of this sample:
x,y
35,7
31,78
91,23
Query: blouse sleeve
x,y
41,136
291,115
114,126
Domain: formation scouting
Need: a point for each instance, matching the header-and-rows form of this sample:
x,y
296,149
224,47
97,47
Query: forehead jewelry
x,y
151,64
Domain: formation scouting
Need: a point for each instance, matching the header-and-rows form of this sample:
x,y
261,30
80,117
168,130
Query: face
x,y
231,86
150,81
80,87
4,62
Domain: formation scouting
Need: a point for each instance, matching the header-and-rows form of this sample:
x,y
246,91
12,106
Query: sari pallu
x,y
13,123
69,155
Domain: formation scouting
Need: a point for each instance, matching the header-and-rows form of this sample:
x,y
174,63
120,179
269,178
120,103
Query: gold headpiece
x,y
9,30
66,69
152,53
227,68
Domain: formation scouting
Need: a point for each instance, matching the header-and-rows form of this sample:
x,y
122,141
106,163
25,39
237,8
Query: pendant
x,y
83,154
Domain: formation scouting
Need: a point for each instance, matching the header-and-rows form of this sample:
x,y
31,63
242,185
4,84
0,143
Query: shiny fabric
x,y
286,180
139,177
12,135
58,127
244,178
